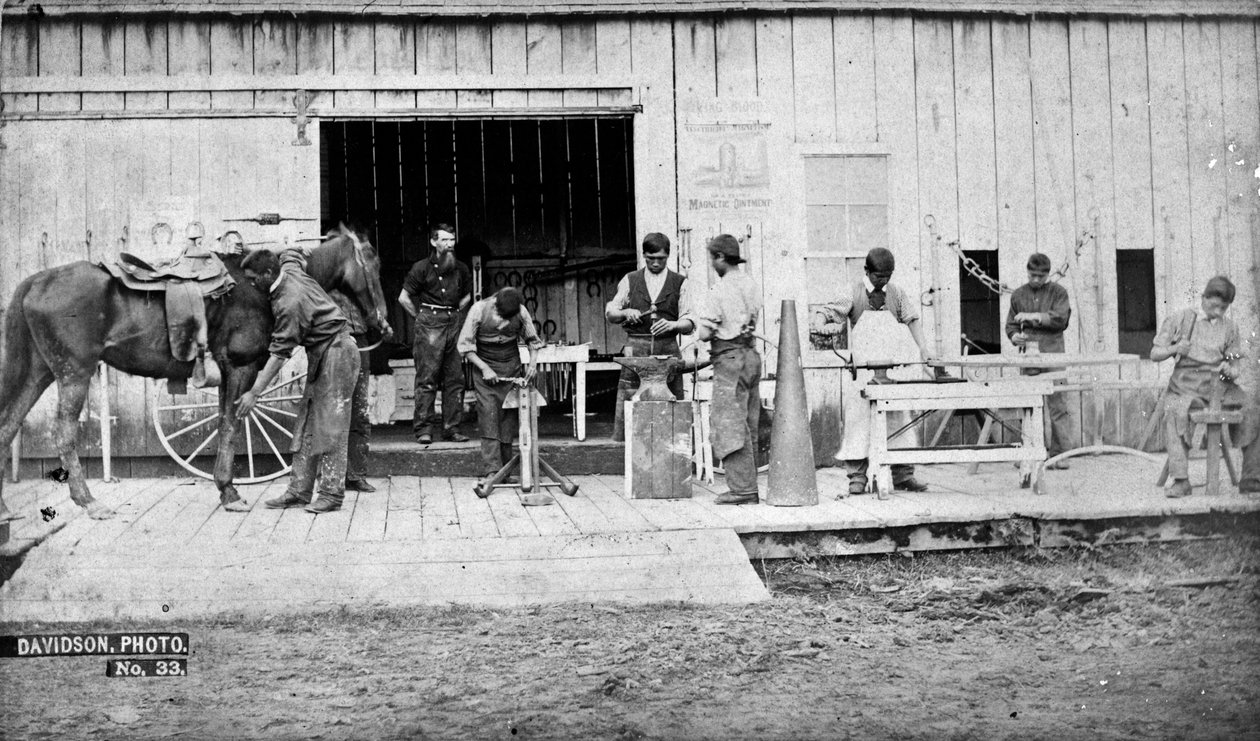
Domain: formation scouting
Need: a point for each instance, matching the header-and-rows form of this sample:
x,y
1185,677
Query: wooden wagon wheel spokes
x,y
188,428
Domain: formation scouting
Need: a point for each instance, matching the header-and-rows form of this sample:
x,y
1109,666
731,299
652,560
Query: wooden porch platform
x,y
171,552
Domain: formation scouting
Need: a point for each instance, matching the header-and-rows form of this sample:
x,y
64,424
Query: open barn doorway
x,y
546,204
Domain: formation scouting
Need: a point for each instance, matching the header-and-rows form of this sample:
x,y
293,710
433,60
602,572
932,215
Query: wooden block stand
x,y
1025,394
658,449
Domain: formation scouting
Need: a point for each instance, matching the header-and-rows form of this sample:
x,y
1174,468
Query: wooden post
x,y
102,390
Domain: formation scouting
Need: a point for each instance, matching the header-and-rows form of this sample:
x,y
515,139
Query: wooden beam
x,y
379,114
227,83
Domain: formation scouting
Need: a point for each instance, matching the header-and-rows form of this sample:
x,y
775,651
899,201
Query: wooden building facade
x,y
1121,138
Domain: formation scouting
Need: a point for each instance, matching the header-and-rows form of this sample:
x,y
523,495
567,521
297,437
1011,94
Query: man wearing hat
x,y
653,305
728,321
1039,313
874,293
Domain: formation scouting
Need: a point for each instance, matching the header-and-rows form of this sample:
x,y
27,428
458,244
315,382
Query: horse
x,y
63,321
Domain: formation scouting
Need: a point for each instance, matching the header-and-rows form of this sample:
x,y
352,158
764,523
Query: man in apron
x,y
1039,314
1207,347
653,306
728,321
305,315
489,340
874,293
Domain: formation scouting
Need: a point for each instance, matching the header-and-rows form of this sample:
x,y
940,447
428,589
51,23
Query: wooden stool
x,y
1214,422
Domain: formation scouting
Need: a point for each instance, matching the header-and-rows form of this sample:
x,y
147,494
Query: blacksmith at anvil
x,y
728,320
653,304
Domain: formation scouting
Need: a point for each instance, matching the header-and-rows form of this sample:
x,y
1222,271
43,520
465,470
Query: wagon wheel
x,y
187,425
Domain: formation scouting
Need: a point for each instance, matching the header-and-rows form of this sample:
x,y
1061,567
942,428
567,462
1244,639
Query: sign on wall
x,y
725,155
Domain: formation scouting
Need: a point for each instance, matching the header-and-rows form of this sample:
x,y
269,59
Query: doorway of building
x,y
546,204
549,198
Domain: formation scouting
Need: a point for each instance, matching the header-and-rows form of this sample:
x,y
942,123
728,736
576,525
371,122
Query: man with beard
x,y
652,305
435,293
489,340
306,316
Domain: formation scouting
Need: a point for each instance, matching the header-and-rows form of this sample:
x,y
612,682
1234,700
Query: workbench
x,y
1024,394
1053,367
549,357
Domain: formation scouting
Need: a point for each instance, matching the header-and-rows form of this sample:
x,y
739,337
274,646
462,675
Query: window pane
x,y
868,227
867,180
824,179
826,229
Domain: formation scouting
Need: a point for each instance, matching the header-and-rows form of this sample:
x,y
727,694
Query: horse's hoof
x,y
236,505
98,511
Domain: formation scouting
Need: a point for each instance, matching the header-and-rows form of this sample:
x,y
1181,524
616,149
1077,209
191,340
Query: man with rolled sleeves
x,y
305,315
435,293
1040,312
490,340
728,320
653,306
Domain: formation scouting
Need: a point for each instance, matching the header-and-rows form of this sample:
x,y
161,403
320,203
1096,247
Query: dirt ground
x,y
1121,642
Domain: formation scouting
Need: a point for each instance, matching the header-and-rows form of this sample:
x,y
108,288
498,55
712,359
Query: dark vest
x,y
666,303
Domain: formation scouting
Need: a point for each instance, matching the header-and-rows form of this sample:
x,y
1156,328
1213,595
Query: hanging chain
x,y
977,272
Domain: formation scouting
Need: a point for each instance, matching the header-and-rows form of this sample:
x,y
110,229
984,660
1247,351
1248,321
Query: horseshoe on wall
x,y
549,328
514,279
500,280
532,305
594,290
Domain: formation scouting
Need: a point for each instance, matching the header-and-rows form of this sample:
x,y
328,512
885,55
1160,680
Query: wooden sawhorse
x,y
1026,394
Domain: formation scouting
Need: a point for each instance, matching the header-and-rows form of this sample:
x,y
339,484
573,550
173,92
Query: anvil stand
x,y
528,462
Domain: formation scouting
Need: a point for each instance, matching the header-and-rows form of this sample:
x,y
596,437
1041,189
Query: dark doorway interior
x,y
980,308
1135,300
547,204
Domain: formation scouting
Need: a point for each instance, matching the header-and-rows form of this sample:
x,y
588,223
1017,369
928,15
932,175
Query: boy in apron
x,y
1207,346
888,304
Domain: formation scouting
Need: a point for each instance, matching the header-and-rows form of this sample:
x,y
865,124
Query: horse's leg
x,y
72,392
15,402
236,381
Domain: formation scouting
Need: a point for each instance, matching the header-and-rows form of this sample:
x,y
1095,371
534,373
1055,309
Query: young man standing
x,y
653,305
728,321
489,340
874,293
306,316
1039,313
435,293
1208,349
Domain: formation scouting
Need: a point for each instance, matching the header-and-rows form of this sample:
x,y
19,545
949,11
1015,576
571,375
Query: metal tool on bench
x,y
528,462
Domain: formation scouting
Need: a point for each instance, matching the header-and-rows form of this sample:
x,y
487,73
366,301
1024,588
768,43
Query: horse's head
x,y
346,261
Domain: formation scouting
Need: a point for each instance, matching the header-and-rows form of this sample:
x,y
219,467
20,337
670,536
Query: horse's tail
x,y
15,340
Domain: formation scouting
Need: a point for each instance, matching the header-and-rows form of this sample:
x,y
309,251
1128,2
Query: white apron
x,y
877,337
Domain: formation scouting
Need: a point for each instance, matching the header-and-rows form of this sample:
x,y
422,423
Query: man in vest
x,y
653,305
490,340
874,293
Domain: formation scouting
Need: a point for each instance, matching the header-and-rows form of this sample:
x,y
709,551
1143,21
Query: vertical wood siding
x,y
1015,134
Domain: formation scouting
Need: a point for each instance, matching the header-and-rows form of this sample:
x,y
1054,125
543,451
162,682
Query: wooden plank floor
x,y
432,528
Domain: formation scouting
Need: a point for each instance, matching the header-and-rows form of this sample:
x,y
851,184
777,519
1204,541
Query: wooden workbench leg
x,y
986,431
1227,447
877,456
1213,460
1025,466
579,402
1034,436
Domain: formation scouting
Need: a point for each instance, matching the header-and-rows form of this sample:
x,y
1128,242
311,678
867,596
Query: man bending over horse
x,y
306,316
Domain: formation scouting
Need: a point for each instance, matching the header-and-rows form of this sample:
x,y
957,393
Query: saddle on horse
x,y
187,281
